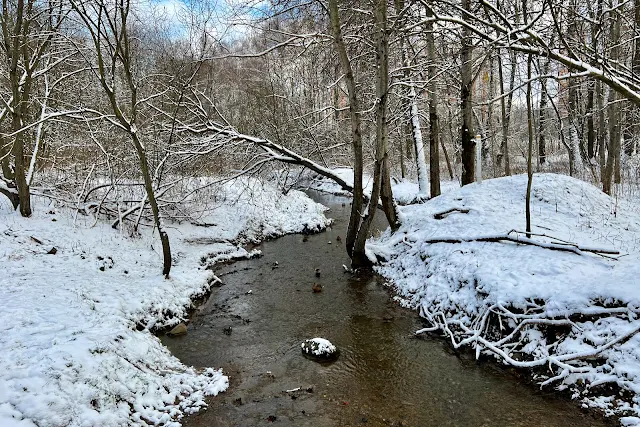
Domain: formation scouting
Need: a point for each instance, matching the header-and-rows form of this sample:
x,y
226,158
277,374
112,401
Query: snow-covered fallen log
x,y
520,237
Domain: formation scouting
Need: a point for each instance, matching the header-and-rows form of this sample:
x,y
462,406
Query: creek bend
x,y
384,375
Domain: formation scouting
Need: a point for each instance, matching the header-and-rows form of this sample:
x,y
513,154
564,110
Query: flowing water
x,y
253,325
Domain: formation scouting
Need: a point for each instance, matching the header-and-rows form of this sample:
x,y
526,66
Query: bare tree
x,y
109,27
28,29
356,131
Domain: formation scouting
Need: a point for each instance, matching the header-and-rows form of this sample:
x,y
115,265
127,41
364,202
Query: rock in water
x,y
319,349
179,329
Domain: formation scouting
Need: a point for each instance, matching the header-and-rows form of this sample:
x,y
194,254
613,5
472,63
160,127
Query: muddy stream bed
x,y
253,325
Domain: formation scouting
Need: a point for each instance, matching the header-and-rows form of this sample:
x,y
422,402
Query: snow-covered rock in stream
x,y
529,306
319,349
77,347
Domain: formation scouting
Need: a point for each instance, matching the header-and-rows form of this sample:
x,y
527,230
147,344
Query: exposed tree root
x,y
506,334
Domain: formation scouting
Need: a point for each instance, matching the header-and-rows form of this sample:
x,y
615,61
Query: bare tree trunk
x,y
15,40
614,114
542,146
490,119
382,126
601,130
530,145
633,116
466,110
418,143
434,125
356,132
573,121
7,177
151,197
5,150
381,176
591,133
24,195
614,138
446,159
617,177
572,124
505,107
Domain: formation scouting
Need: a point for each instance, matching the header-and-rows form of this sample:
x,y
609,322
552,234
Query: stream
x,y
253,325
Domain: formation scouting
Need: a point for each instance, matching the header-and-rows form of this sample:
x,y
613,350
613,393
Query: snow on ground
x,y
530,306
404,191
76,344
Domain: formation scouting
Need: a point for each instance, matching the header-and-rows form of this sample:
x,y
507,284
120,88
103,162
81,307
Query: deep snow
x,y
77,346
530,306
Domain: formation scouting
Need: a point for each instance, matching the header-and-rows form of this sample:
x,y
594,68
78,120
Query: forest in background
x,y
116,107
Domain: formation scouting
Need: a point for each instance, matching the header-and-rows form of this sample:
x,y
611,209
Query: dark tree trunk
x,y
591,133
542,143
381,175
356,128
633,118
613,152
530,145
15,41
466,131
434,125
601,130
505,107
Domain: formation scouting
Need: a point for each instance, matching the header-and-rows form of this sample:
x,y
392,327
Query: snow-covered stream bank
x,y
77,346
383,377
570,316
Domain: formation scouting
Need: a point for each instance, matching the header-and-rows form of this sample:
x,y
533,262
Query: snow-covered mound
x,y
404,191
250,210
530,306
76,342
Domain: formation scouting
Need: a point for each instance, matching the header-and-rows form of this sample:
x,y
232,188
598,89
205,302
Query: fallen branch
x,y
274,152
519,239
442,215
